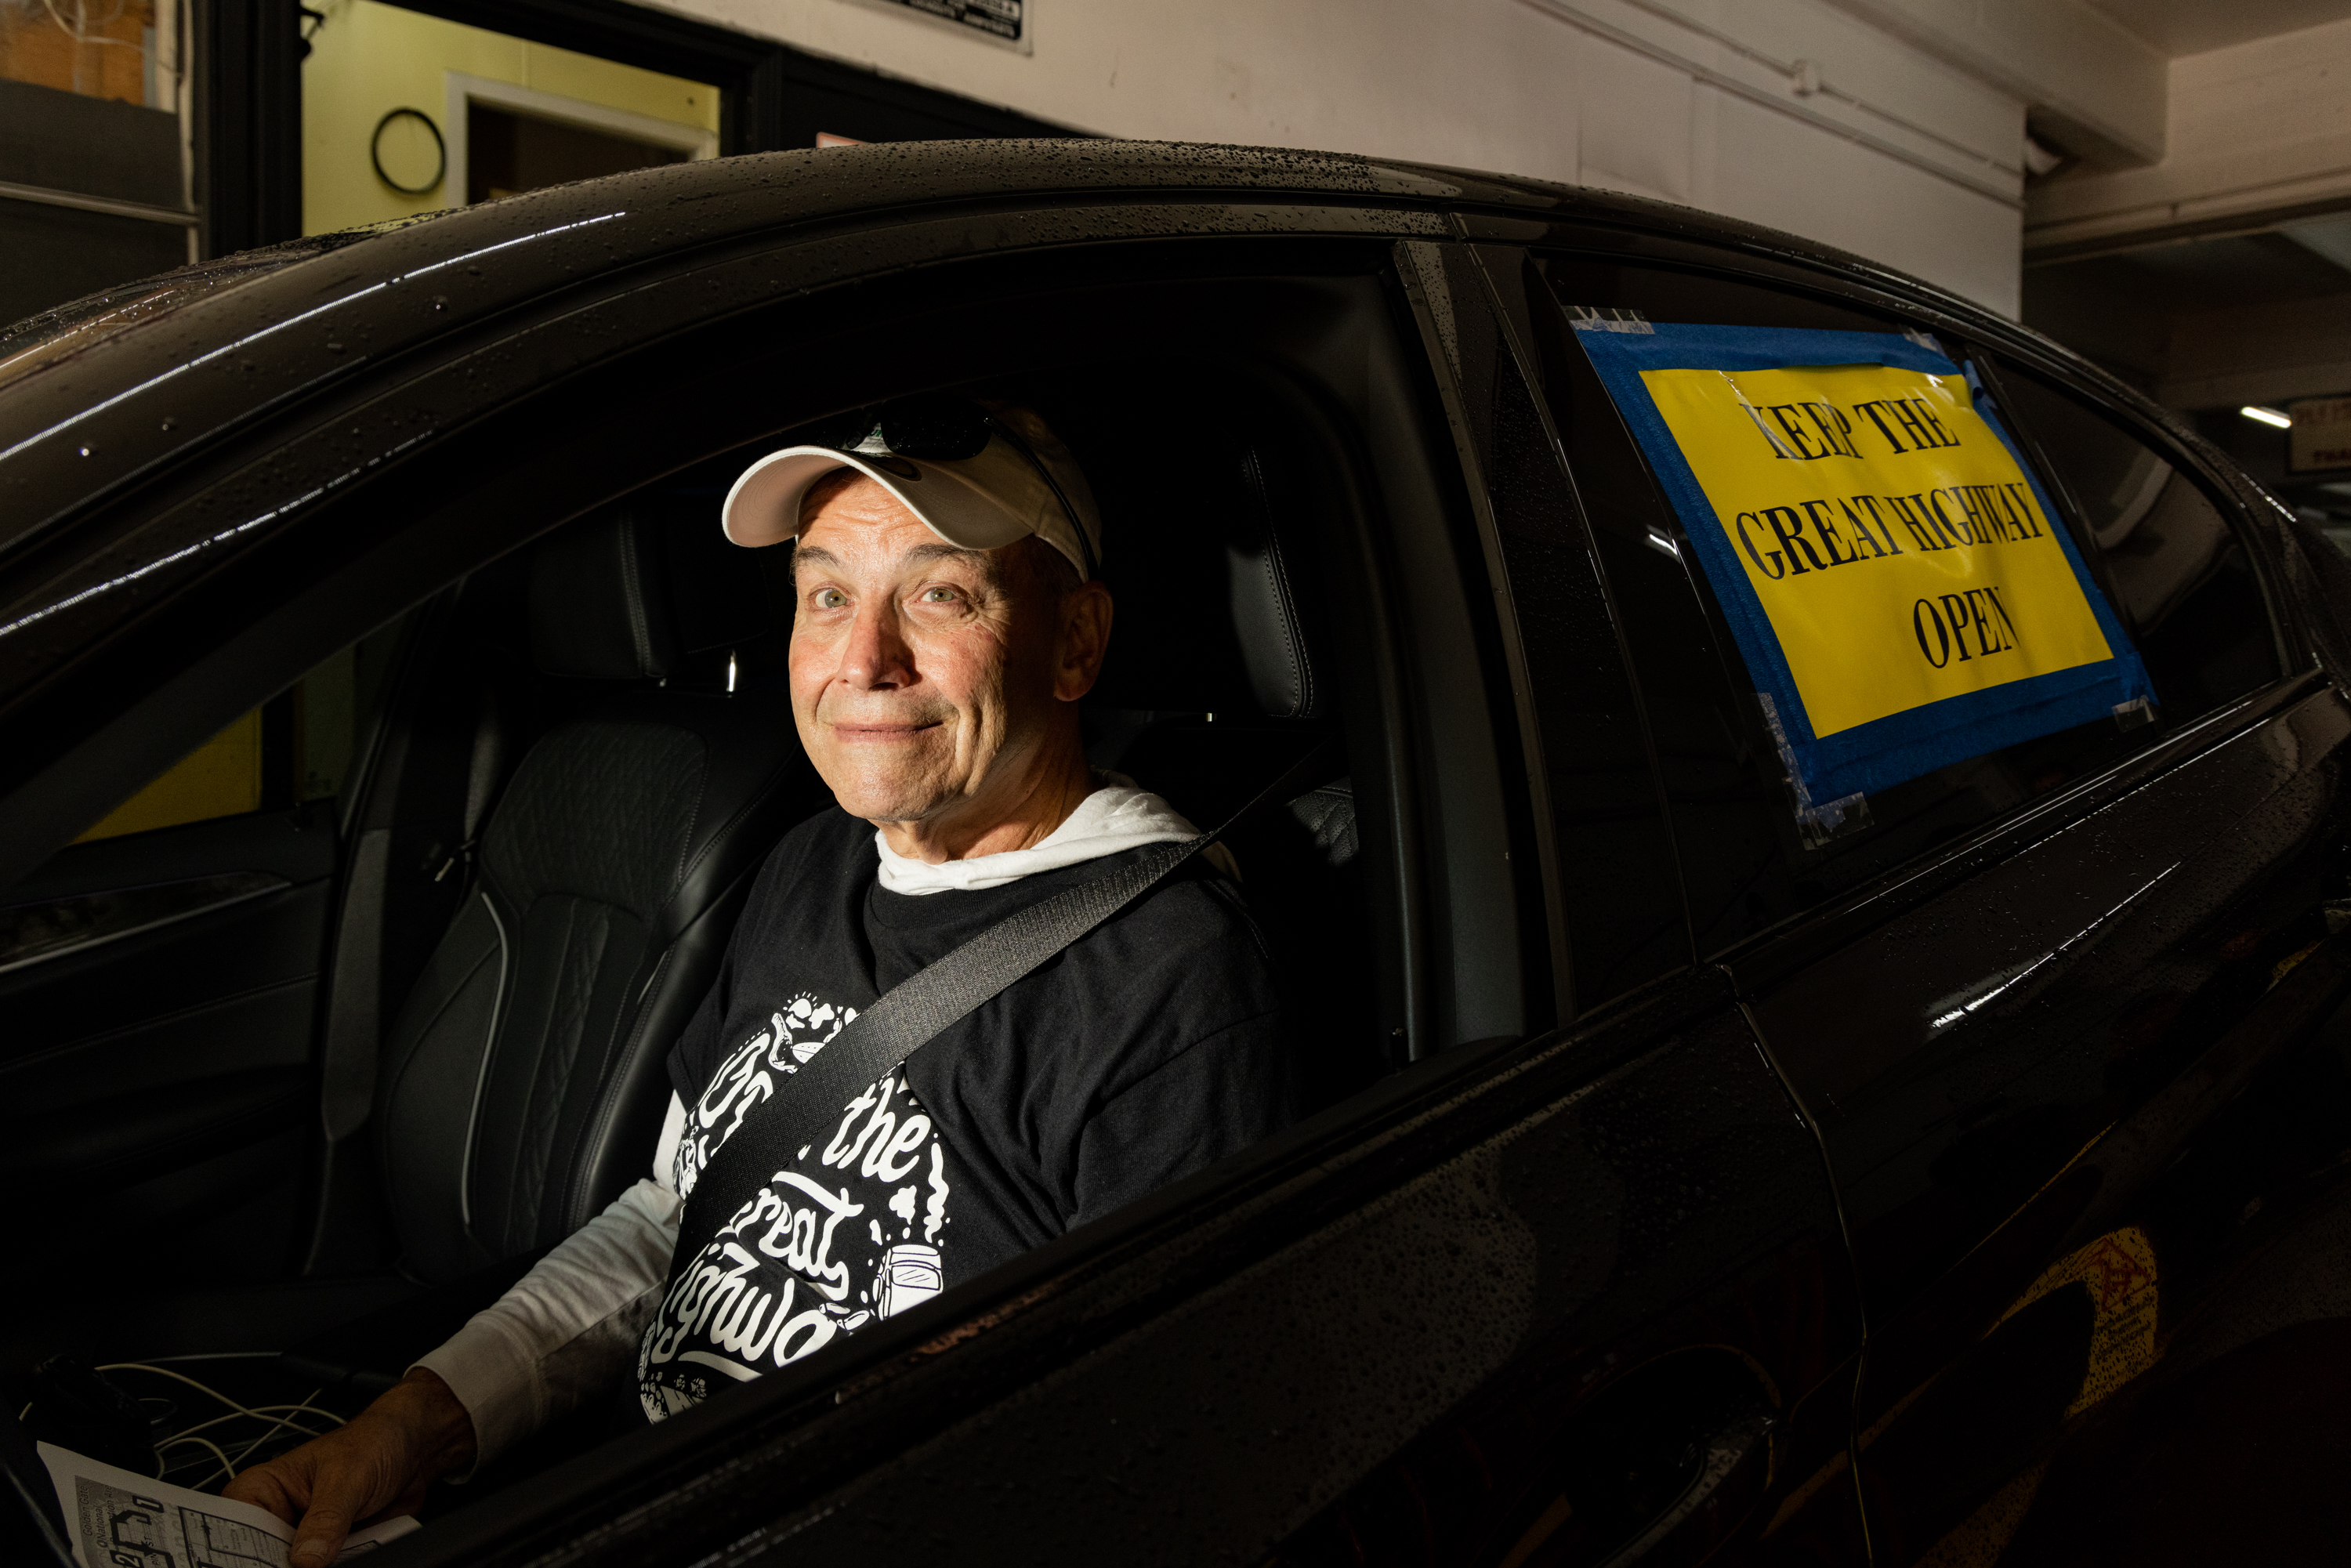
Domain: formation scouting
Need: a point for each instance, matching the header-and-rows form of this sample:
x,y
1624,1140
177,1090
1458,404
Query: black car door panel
x,y
1684,1288
1966,1028
2004,1074
158,1061
2075,973
1619,919
1509,1263
1684,1377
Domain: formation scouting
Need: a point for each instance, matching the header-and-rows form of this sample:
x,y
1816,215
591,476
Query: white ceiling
x,y
2192,26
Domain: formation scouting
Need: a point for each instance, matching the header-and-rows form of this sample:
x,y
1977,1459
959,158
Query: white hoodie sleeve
x,y
565,1334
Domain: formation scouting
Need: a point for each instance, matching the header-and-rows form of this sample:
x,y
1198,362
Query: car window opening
x,y
553,733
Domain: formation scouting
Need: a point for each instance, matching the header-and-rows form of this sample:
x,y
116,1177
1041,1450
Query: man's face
x,y
927,679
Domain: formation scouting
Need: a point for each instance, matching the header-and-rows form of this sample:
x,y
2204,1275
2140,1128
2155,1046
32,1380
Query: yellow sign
x,y
2321,438
2119,1270
1892,541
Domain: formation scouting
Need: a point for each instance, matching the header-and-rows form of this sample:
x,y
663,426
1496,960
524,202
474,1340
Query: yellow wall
x,y
367,58
219,778
228,774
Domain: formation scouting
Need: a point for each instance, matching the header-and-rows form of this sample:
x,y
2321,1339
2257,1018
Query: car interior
x,y
361,1084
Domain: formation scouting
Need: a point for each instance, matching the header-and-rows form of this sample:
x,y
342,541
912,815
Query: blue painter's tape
x,y
1876,755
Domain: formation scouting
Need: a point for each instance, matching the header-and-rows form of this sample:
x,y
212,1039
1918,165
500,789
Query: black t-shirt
x,y
1151,1047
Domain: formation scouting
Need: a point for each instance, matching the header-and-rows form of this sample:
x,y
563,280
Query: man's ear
x,y
1084,639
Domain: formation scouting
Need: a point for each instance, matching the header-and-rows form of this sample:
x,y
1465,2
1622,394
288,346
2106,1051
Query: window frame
x,y
2275,604
385,543
362,558
1439,684
1763,956
1472,302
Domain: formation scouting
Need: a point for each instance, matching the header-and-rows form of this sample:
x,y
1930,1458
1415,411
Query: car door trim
x,y
1773,955
482,1073
140,909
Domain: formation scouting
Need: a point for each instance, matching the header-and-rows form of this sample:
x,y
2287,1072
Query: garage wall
x,y
1810,116
2257,132
367,58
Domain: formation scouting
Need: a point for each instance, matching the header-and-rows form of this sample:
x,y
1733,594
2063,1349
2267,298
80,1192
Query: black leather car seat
x,y
521,1083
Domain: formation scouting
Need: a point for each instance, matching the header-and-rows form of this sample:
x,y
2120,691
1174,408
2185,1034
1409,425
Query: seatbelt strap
x,y
915,1012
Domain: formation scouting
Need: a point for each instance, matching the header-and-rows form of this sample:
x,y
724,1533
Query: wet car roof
x,y
275,322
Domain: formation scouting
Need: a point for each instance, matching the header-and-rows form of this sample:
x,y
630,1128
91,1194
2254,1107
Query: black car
x,y
1704,1162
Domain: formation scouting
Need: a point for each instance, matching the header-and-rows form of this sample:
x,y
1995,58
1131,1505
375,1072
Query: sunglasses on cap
x,y
933,427
937,429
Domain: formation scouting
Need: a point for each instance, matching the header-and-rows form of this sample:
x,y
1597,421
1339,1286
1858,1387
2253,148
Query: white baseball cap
x,y
980,475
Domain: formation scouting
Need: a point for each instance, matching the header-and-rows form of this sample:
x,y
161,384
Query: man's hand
x,y
380,1463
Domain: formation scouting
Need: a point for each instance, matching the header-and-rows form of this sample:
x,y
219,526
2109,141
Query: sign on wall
x,y
2321,436
1004,21
1896,582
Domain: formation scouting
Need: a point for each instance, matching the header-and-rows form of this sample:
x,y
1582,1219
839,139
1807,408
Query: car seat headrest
x,y
630,593
1212,611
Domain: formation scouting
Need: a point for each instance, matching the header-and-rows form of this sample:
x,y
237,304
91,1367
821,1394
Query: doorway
x,y
413,108
404,113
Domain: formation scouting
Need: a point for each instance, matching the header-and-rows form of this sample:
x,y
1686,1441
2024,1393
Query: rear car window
x,y
2178,574
1756,848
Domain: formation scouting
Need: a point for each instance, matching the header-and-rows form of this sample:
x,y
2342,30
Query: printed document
x,y
117,1517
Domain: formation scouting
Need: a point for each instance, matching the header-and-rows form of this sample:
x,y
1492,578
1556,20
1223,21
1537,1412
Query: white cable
x,y
258,1412
208,1443
236,1412
261,1413
285,1421
177,1376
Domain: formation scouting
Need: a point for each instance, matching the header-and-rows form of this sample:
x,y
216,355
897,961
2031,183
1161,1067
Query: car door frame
x,y
392,567
1399,1146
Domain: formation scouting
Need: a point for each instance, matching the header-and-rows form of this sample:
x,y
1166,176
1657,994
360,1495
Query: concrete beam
x,y
2259,133
2091,84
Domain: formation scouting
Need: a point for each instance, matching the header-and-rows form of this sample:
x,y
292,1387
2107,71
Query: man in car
x,y
948,620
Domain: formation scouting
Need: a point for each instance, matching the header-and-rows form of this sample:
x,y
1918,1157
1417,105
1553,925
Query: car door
x,y
1586,1207
1985,995
1674,1403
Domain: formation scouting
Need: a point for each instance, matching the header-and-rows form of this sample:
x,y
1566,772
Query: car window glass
x,y
297,747
1747,862
2176,572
